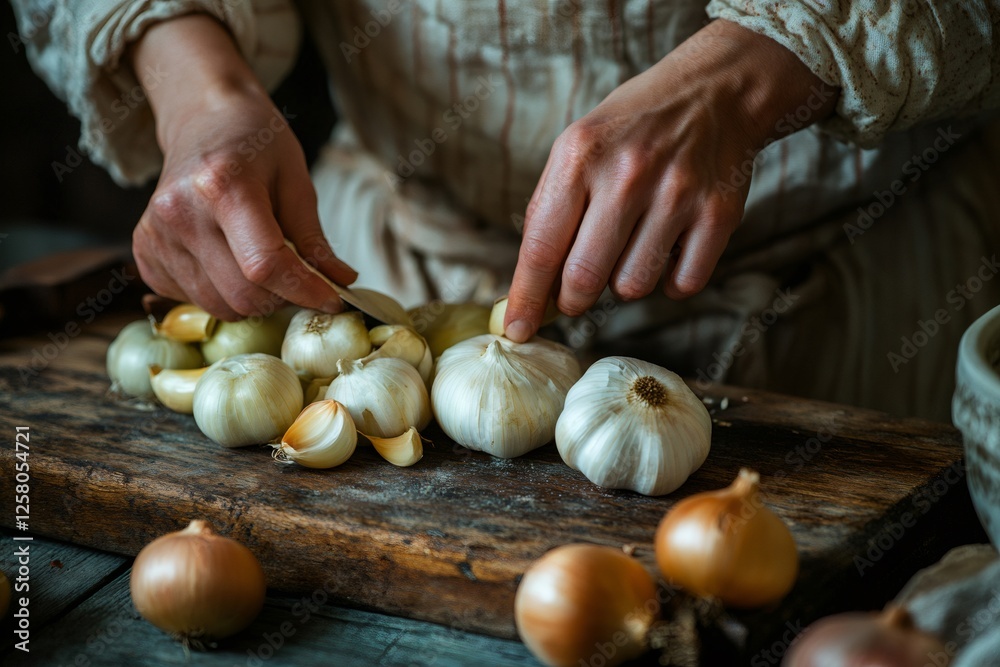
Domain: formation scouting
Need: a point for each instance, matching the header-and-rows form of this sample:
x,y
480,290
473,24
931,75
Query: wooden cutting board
x,y
869,498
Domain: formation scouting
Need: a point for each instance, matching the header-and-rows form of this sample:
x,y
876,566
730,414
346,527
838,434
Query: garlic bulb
x,y
316,341
322,436
629,424
249,399
186,323
175,388
135,349
385,396
497,396
403,450
444,324
254,334
403,343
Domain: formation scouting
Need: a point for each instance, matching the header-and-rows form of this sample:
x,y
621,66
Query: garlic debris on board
x,y
316,341
630,424
497,396
403,450
322,436
175,388
135,349
249,399
385,396
402,343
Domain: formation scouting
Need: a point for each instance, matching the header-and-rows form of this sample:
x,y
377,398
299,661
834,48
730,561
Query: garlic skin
x,y
254,334
322,436
404,343
500,397
316,341
135,349
630,424
385,396
403,450
249,399
175,388
186,323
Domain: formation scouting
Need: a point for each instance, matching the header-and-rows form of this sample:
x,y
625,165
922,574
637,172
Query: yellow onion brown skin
x,y
862,639
583,600
195,584
726,544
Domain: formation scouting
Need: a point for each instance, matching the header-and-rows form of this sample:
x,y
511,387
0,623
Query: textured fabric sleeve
x,y
76,46
898,64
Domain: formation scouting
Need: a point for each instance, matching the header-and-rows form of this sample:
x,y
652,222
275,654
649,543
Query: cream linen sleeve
x,y
898,64
76,46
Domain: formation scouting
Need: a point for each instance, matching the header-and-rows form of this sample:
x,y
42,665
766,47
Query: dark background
x,y
40,214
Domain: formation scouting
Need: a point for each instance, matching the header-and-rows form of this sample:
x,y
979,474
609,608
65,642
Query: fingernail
x,y
333,306
518,331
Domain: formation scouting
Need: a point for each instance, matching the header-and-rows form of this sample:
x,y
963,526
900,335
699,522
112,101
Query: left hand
x,y
651,168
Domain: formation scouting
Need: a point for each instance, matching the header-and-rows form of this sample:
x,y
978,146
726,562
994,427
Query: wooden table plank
x,y
292,631
448,539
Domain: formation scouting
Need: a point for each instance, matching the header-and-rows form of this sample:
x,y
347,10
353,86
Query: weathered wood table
x,y
869,498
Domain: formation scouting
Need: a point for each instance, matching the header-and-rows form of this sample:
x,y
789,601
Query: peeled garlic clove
x,y
385,396
500,311
630,424
316,341
254,334
497,396
406,344
403,450
445,324
175,388
186,323
249,399
322,436
135,349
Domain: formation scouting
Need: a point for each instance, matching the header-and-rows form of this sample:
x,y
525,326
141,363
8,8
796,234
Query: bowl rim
x,y
975,366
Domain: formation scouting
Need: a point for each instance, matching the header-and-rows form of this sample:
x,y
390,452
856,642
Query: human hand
x,y
234,185
649,169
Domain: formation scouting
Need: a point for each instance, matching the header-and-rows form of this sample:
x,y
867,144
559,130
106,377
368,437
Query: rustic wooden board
x,y
448,539
102,629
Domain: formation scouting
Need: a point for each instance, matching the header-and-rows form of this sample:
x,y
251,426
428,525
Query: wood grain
x,y
448,539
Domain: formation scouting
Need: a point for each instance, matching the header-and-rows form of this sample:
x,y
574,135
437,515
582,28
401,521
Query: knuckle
x,y
688,284
259,269
168,205
631,286
539,255
635,163
583,276
212,180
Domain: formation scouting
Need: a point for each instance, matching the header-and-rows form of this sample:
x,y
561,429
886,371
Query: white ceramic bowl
x,y
975,409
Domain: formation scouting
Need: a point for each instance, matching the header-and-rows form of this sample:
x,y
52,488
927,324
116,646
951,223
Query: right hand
x,y
234,185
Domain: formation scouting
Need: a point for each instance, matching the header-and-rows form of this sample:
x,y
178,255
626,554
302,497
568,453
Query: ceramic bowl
x,y
975,409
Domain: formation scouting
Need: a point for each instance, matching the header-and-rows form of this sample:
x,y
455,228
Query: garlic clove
x,y
406,344
403,450
316,341
135,349
385,395
383,332
186,323
174,388
499,312
322,436
315,389
630,424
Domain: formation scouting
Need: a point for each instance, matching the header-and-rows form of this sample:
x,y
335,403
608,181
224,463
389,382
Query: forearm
x,y
207,71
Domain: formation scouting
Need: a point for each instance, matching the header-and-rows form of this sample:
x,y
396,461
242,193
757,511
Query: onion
x,y
581,601
197,585
726,544
858,639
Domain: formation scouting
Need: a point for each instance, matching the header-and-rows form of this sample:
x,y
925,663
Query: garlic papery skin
x,y
186,323
630,424
403,343
322,436
135,349
385,303
175,388
315,389
385,396
497,396
249,399
316,341
403,450
254,334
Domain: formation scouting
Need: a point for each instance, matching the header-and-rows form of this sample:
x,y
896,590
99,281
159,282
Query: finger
x,y
219,266
701,247
604,233
548,233
188,273
258,245
296,214
146,252
648,250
